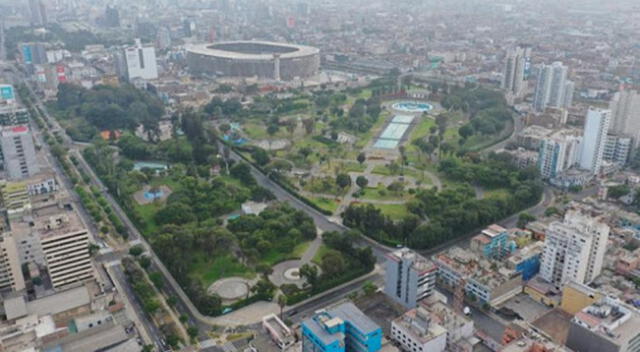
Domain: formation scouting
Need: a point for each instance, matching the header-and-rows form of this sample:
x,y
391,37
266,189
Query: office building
x,y
553,89
111,17
574,249
140,62
18,152
607,325
515,71
33,53
12,115
38,13
625,115
594,139
617,149
340,329
280,333
493,243
558,153
409,277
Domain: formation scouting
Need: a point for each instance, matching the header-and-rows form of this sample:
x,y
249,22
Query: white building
x,y
553,87
10,268
574,249
515,71
410,277
594,139
625,115
141,62
18,152
617,149
417,333
557,154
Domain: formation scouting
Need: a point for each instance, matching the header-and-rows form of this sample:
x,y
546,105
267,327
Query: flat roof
x,y
60,302
206,49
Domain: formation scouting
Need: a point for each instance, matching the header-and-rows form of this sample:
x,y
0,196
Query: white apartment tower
x,y
625,115
410,277
18,152
514,73
574,249
553,88
557,154
594,139
141,62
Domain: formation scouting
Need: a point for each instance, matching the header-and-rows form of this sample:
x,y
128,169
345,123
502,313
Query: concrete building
x,y
18,152
420,329
625,115
526,260
607,325
594,139
340,329
140,61
409,277
415,332
574,249
11,278
15,198
557,154
493,243
33,53
12,115
553,89
38,13
7,94
515,71
65,246
482,280
280,333
617,149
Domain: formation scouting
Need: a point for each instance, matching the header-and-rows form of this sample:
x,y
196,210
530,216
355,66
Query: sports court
x,y
393,133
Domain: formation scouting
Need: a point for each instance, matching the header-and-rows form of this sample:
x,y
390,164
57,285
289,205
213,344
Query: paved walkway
x,y
278,275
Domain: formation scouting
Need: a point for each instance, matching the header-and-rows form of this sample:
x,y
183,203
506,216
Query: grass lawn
x,y
325,203
384,170
147,212
322,251
496,193
275,257
210,269
373,193
395,211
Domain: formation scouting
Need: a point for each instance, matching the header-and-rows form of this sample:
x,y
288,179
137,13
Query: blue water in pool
x,y
153,195
412,106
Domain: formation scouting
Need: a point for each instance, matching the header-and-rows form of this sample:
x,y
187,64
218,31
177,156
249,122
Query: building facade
x,y
594,139
625,111
141,62
557,154
493,243
18,152
409,277
416,332
340,329
574,249
617,149
553,88
515,71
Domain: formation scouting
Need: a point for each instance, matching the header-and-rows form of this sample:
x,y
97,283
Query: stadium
x,y
265,60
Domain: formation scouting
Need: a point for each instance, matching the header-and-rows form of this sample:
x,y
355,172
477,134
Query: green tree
x,y
524,219
136,250
309,273
343,180
362,181
362,157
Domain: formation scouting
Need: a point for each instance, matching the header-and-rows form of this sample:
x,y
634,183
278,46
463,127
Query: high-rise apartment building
x,y
410,277
553,88
558,153
111,17
33,53
18,152
617,149
515,71
625,115
140,62
594,139
574,249
38,12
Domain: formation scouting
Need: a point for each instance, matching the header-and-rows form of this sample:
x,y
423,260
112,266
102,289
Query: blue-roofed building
x,y
343,328
493,243
527,260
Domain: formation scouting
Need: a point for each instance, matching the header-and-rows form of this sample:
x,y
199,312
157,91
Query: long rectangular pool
x,y
393,133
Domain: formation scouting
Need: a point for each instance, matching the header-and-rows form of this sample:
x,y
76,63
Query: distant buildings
x,y
340,329
140,62
557,154
625,115
33,53
574,249
553,88
515,70
38,13
7,94
18,152
409,277
594,139
617,149
607,325
112,17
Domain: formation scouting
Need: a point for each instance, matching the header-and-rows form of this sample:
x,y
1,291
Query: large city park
x,y
404,164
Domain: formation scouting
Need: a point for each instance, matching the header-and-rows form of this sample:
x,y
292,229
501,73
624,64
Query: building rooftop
x,y
324,320
419,263
49,220
611,319
419,324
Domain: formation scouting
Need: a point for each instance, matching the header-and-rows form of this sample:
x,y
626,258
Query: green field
x,y
210,269
325,203
395,211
